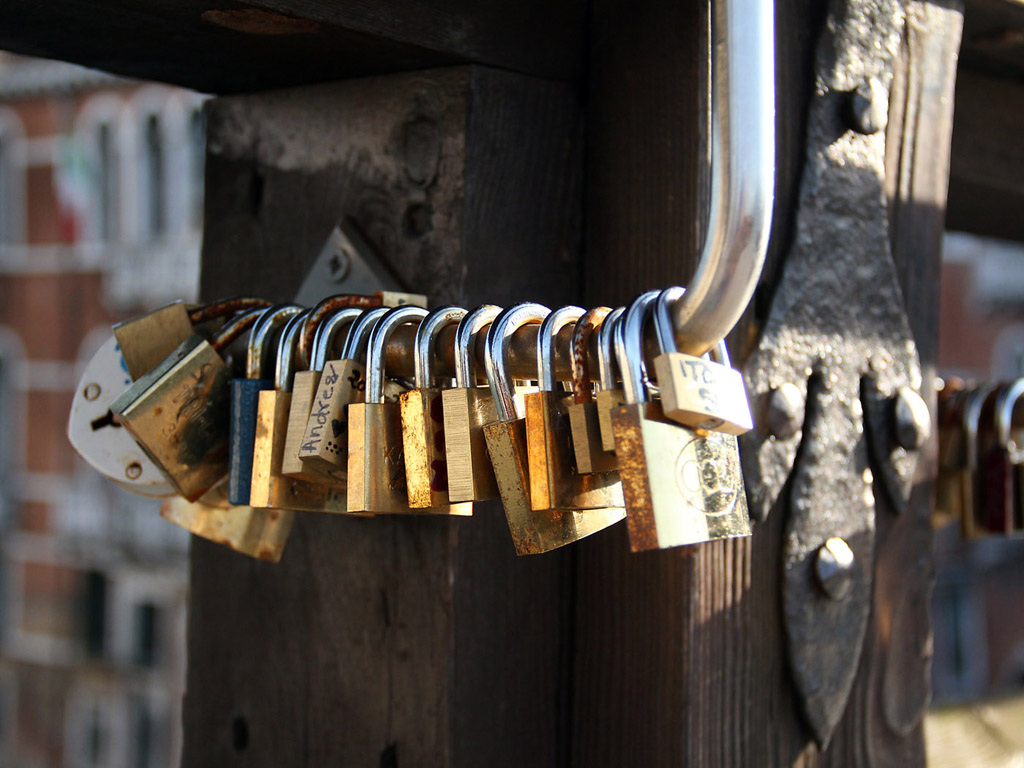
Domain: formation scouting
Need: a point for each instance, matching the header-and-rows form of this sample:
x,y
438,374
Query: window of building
x,y
145,645
94,613
154,178
98,148
197,152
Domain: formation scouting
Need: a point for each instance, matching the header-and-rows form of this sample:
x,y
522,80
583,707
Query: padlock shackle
x,y
465,342
629,347
1004,411
375,352
742,174
234,328
426,341
499,336
256,351
664,332
586,327
359,333
287,349
307,341
549,328
327,333
607,363
221,307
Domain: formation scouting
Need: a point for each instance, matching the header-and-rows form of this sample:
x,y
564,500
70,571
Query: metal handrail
x,y
742,174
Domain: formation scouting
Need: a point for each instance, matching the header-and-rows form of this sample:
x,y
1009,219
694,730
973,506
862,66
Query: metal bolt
x,y
911,418
92,391
785,410
834,567
867,107
133,471
340,264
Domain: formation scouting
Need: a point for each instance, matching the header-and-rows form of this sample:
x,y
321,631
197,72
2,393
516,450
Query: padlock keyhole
x,y
106,420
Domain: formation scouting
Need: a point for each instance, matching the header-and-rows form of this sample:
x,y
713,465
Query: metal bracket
x,y
838,340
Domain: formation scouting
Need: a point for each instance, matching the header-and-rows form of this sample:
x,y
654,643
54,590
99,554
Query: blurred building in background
x,y
100,218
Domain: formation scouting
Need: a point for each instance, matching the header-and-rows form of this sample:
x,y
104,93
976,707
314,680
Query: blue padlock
x,y
245,396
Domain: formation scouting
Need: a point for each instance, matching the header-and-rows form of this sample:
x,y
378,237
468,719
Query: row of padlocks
x,y
241,414
981,458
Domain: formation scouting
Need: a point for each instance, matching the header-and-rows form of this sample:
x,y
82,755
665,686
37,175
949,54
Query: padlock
x,y
972,504
149,338
258,533
319,314
697,392
376,465
588,450
423,427
554,481
245,400
269,487
467,407
98,438
1011,454
178,412
324,447
682,486
532,532
304,387
952,457
609,394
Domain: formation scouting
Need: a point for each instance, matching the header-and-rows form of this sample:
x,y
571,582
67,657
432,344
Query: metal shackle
x,y
359,334
629,347
586,327
465,342
665,332
606,360
233,328
1004,412
378,343
426,341
284,367
327,333
256,350
549,328
499,337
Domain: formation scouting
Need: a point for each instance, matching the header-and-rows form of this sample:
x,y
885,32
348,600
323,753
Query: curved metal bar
x,y
465,342
499,338
549,328
426,340
742,174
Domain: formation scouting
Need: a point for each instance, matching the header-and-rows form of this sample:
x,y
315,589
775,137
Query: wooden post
x,y
389,641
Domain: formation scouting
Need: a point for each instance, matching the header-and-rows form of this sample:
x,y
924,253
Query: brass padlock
x,y
682,486
423,427
304,387
376,461
697,392
974,524
324,448
532,532
271,488
588,449
554,481
258,533
609,394
178,412
467,407
245,400
952,457
147,339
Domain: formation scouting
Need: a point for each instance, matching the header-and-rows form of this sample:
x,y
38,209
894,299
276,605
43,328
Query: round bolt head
x,y
867,107
785,411
834,567
912,421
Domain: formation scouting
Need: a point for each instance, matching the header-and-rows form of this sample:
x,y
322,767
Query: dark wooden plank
x,y
235,47
388,641
985,190
680,654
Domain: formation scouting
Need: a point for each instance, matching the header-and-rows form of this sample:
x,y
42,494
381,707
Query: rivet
x,y
912,421
785,410
834,566
867,107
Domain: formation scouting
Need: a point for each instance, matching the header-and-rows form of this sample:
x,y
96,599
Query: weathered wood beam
x,y
389,641
235,47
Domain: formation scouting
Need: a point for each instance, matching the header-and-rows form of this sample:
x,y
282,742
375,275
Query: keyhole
x,y
106,420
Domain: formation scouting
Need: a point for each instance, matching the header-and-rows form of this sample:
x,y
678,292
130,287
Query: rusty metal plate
x,y
838,333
